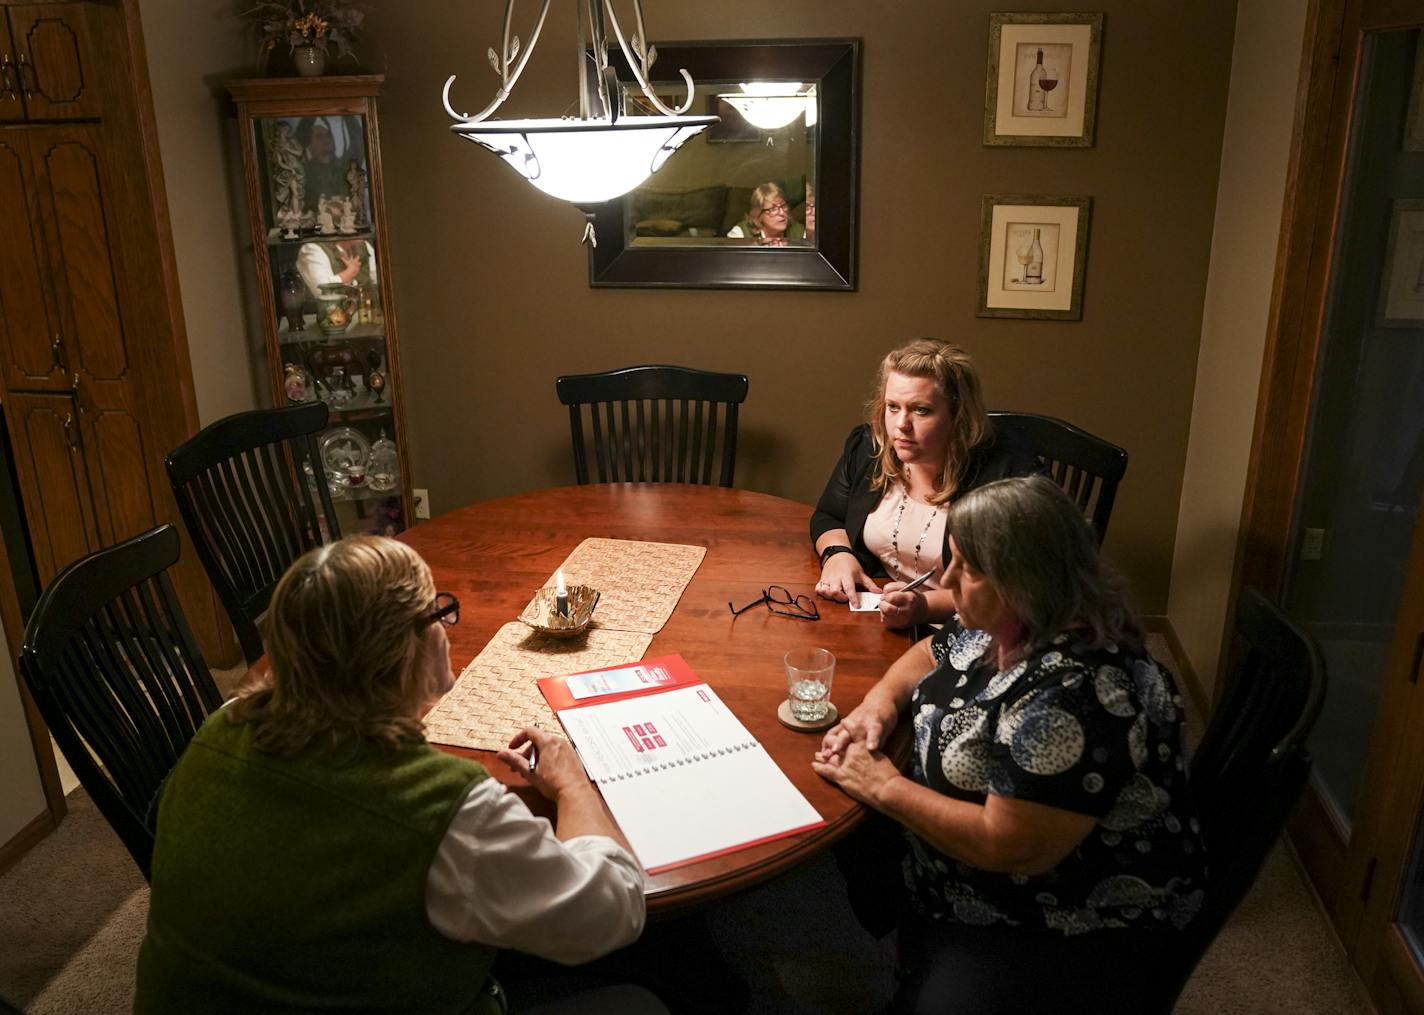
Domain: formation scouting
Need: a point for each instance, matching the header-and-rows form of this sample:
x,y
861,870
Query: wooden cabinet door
x,y
11,105
54,481
51,43
28,325
69,169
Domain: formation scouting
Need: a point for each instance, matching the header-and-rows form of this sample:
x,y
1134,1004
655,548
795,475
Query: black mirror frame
x,y
834,65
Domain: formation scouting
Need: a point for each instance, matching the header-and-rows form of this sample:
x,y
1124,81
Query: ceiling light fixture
x,y
773,104
601,153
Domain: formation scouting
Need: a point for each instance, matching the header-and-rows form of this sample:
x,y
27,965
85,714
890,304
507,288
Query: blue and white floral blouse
x,y
1090,729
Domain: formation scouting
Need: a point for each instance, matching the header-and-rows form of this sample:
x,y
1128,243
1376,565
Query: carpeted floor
x,y
72,915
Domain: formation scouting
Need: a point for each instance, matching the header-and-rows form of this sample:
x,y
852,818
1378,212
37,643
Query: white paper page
x,y
655,732
705,807
865,602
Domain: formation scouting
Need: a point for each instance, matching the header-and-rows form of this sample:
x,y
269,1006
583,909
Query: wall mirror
x,y
768,197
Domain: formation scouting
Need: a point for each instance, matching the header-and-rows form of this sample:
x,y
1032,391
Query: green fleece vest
x,y
298,884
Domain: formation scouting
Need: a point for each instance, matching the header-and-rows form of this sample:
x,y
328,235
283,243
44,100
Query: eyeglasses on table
x,y
783,602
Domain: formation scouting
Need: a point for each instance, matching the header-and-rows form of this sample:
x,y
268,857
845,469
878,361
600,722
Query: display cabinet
x,y
312,161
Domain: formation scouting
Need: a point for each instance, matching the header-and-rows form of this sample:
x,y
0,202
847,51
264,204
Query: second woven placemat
x,y
640,582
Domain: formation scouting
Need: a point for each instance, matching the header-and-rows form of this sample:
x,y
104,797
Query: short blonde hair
x,y
346,639
953,372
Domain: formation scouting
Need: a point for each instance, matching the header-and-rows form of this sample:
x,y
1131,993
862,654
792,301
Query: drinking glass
x,y
809,672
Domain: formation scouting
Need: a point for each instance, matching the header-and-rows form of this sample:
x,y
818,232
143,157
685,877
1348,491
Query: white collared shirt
x,y
500,877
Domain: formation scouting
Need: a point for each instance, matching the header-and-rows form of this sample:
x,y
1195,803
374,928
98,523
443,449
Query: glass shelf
x,y
276,239
312,335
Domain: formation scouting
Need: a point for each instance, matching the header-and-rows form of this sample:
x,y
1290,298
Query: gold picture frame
x,y
1401,303
1414,118
1033,256
1042,84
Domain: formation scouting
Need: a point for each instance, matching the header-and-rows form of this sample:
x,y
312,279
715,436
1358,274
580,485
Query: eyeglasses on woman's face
x,y
446,610
779,208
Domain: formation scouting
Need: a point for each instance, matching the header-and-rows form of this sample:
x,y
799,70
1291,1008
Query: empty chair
x,y
1252,763
251,505
1088,467
112,665
654,424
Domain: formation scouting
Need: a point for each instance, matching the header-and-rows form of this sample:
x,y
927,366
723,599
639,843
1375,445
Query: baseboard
x,y
24,839
1186,676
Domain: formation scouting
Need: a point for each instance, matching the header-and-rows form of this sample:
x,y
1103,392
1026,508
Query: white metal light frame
x,y
602,153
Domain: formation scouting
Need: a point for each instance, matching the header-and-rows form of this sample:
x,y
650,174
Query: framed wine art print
x,y
1043,79
1402,288
1032,256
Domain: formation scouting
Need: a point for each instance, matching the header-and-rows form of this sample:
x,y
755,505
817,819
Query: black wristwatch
x,y
831,551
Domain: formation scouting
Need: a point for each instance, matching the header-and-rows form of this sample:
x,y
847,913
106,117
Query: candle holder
x,y
543,616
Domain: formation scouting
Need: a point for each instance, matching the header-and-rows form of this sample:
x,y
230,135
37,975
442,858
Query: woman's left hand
x,y
859,772
899,608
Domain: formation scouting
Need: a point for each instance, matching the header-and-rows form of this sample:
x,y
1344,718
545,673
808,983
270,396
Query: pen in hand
x,y
917,582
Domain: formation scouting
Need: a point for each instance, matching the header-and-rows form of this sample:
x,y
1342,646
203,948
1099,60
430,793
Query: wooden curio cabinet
x,y
312,160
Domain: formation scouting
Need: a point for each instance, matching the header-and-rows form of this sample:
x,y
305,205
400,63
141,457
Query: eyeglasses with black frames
x,y
774,209
783,603
446,610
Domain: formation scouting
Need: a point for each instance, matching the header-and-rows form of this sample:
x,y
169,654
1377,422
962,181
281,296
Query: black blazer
x,y
848,498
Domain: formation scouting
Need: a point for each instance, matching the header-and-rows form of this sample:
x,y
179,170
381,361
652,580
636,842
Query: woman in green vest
x,y
313,852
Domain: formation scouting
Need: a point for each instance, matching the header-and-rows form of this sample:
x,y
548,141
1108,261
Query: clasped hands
x,y
850,753
843,577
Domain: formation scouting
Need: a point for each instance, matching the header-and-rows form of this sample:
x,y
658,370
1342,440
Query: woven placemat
x,y
640,582
496,695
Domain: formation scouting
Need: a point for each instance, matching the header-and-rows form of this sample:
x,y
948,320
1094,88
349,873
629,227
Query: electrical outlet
x,y
422,502
1312,544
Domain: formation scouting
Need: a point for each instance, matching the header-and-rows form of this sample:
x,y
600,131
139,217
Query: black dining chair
x,y
654,424
1087,467
1250,767
252,492
118,678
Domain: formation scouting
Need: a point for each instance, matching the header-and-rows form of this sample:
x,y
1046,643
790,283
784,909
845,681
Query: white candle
x,y
561,595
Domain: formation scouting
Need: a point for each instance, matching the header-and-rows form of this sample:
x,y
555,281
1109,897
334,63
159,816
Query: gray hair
x,y
1038,551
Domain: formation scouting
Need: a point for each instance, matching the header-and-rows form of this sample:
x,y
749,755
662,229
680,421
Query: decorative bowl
x,y
541,614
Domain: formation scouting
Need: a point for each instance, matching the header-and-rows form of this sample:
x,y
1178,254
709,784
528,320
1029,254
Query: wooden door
x,y
76,205
12,106
1332,522
54,478
51,43
30,344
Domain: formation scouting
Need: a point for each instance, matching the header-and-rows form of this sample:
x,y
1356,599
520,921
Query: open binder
x,y
684,779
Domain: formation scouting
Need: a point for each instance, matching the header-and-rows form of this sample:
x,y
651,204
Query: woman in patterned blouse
x,y
1054,853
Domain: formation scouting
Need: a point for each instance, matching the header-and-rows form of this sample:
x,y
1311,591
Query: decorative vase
x,y
310,60
294,297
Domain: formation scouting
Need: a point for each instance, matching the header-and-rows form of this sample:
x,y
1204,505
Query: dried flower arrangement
x,y
325,24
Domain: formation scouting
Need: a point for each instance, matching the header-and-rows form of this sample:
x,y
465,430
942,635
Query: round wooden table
x,y
494,555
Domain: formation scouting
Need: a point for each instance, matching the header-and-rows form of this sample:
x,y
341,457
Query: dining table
x,y
494,555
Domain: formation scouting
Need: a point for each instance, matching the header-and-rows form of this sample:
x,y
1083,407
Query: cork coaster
x,y
640,582
496,694
784,716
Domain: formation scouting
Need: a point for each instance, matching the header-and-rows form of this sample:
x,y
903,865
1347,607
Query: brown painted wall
x,y
492,280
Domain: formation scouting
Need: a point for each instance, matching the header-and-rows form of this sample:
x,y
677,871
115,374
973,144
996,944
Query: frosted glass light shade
x,y
585,161
772,104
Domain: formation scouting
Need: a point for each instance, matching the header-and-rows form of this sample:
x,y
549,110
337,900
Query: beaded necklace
x,y
895,535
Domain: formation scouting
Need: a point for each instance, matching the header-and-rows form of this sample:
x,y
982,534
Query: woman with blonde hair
x,y
313,852
926,442
768,220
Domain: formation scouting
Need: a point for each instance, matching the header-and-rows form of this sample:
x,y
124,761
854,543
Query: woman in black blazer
x,y
926,442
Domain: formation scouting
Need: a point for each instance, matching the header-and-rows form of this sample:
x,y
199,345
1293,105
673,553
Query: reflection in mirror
x,y
737,205
748,180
